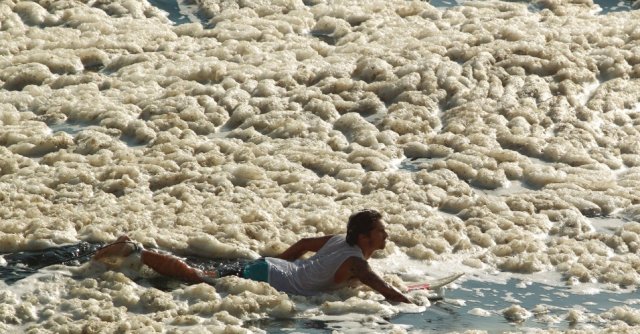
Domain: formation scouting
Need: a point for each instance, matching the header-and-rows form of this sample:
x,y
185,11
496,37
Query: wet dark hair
x,y
361,222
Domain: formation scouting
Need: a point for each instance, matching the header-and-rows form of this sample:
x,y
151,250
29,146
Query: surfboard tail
x,y
435,284
419,286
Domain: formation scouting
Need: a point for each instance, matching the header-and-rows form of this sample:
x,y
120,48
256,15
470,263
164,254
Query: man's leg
x,y
163,264
172,266
122,247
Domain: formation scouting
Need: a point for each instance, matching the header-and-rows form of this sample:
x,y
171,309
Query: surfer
x,y
337,260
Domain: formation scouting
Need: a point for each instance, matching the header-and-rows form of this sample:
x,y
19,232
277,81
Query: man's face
x,y
378,236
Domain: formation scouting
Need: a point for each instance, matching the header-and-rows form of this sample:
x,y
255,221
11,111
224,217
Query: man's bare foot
x,y
208,277
122,247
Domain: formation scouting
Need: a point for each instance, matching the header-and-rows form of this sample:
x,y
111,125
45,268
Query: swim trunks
x,y
257,270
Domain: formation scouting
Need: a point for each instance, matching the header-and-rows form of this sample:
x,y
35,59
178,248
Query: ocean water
x,y
500,139
457,311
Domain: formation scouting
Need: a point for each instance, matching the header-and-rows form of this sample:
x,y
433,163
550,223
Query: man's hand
x,y
361,269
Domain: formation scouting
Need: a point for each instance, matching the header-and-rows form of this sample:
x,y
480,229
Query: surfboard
x,y
435,284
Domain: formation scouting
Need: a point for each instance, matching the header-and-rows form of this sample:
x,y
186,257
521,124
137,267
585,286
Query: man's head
x,y
365,228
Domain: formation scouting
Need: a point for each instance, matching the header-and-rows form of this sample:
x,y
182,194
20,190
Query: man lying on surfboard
x,y
337,259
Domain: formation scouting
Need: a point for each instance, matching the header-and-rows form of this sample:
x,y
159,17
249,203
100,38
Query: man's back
x,y
315,274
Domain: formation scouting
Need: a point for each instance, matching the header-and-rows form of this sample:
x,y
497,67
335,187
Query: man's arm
x,y
298,249
361,269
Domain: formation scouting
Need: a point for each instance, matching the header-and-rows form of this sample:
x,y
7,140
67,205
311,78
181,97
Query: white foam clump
x,y
32,13
480,312
516,313
358,306
248,299
210,245
576,316
630,316
18,77
199,304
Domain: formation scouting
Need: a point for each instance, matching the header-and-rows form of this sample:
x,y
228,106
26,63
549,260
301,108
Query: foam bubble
x,y
624,313
516,313
480,312
355,305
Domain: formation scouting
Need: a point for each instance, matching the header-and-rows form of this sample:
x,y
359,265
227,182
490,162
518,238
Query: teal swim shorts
x,y
257,270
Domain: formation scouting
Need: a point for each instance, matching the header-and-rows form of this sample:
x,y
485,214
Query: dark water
x,y
608,6
72,128
22,264
175,15
172,8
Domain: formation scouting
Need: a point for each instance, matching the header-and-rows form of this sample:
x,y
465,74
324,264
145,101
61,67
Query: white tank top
x,y
314,275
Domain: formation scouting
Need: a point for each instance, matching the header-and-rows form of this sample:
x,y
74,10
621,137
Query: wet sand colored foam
x,y
499,138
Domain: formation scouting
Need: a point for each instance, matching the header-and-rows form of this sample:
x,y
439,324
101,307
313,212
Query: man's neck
x,y
366,251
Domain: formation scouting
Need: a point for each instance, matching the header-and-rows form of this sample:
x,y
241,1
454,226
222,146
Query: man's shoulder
x,y
355,266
